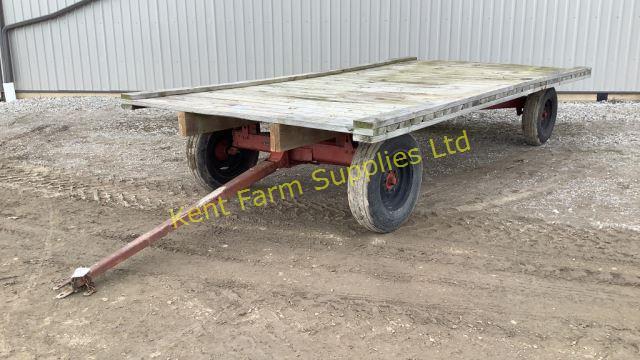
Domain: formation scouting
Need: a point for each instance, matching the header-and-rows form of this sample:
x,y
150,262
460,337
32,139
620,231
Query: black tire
x,y
539,116
212,160
374,203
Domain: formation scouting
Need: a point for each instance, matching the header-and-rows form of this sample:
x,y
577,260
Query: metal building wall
x,y
150,44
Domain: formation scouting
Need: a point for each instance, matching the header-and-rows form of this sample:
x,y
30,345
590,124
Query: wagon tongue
x,y
82,278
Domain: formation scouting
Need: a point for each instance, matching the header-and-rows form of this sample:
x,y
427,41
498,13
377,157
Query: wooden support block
x,y
287,137
193,124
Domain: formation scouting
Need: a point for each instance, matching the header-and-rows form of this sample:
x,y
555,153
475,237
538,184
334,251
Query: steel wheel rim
x,y
395,186
222,163
546,115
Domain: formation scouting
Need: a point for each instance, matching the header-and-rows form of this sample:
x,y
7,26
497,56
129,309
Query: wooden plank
x,y
376,103
286,105
521,88
407,123
255,113
168,92
290,119
191,124
286,137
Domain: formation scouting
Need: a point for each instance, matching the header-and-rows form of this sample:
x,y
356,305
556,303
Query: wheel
x,y
539,116
384,200
214,161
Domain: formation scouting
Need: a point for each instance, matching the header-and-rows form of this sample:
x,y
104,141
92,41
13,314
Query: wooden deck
x,y
373,102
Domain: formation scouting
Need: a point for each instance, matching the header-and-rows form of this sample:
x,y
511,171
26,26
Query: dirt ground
x,y
512,252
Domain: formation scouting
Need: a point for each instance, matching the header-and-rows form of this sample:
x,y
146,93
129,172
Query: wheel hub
x,y
546,113
391,180
220,150
395,186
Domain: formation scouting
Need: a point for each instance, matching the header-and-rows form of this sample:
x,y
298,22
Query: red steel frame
x,y
338,151
517,103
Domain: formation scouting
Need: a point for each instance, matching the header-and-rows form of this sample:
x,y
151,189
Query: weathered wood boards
x,y
241,84
373,102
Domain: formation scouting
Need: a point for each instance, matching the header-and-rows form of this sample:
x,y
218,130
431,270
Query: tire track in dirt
x,y
534,236
495,257
370,311
125,193
569,240
151,195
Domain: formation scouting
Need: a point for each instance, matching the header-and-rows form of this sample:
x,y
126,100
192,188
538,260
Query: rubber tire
x,y
365,196
198,159
534,133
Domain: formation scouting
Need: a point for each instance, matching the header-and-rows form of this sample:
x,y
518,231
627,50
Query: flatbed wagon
x,y
359,117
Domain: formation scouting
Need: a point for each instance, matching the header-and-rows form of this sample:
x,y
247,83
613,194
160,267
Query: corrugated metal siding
x,y
151,44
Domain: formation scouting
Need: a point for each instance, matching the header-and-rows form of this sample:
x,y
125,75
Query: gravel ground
x,y
512,252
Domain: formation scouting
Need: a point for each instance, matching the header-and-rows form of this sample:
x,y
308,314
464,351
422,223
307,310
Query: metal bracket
x,y
80,279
